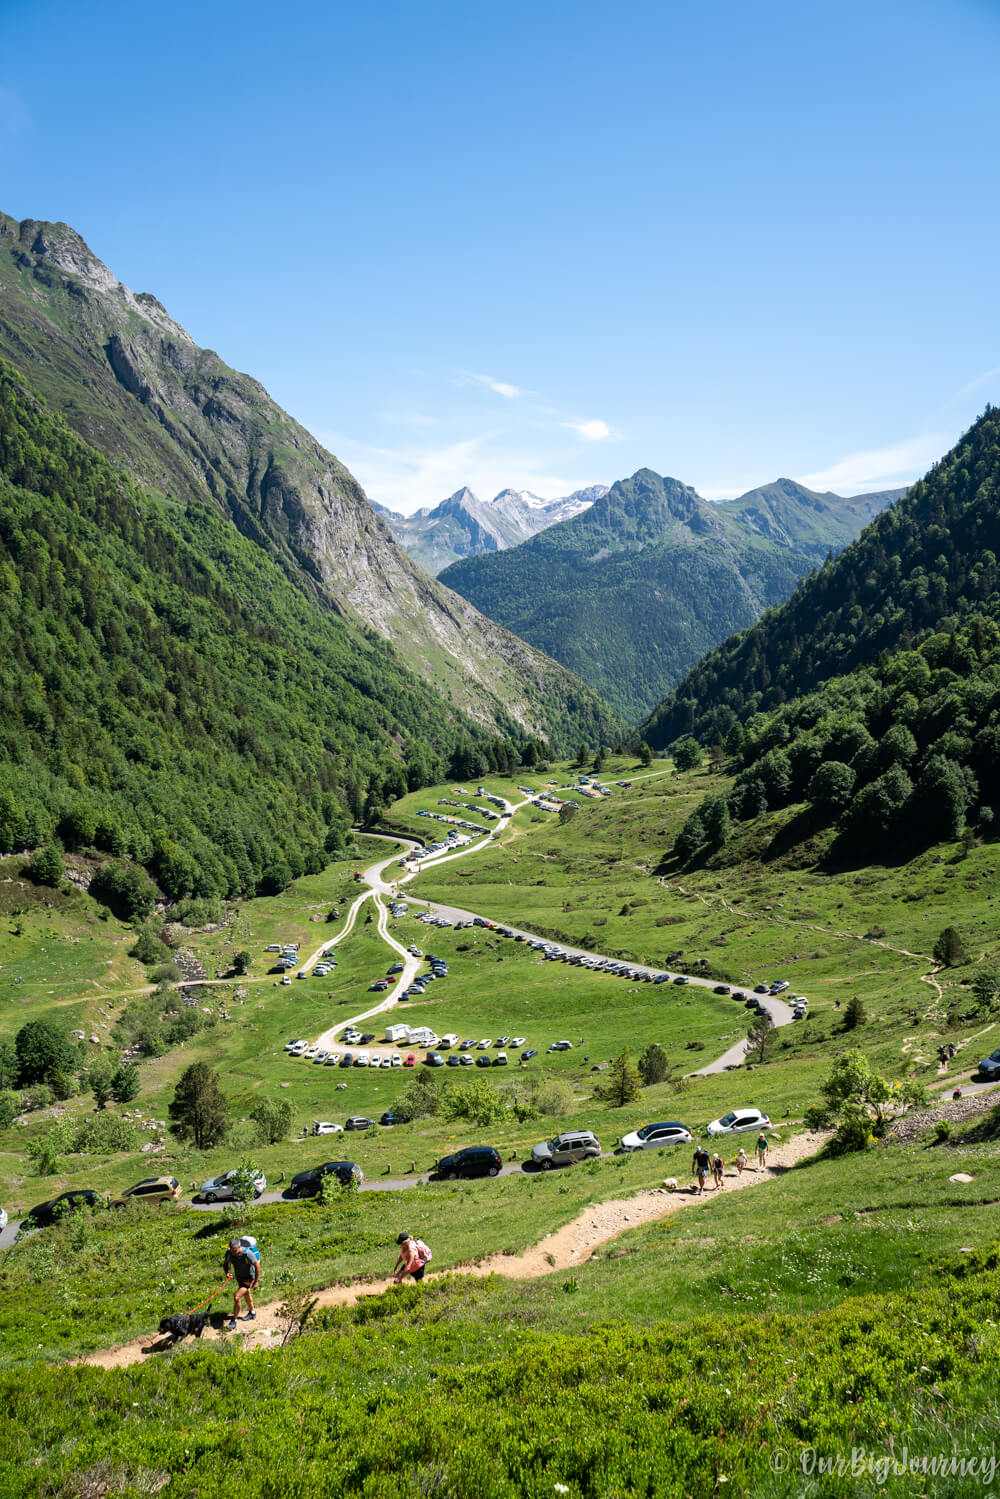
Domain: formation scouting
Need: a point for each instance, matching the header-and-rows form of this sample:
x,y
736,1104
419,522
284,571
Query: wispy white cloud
x,y
974,385
499,387
592,431
409,477
879,468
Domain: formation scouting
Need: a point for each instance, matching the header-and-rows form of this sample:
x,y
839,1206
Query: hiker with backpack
x,y
414,1257
242,1263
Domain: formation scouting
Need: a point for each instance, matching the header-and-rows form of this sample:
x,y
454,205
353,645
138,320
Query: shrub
x,y
46,865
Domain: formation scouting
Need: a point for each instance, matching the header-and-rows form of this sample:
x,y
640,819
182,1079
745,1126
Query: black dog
x,y
190,1324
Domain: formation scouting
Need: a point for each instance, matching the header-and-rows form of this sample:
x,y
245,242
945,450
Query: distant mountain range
x,y
631,592
465,526
132,382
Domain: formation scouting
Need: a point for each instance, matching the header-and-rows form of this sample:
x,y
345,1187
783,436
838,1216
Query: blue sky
x,y
545,245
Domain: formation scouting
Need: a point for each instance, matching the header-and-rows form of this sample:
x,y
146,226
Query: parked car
x,y
466,1061
409,1060
47,1213
390,1118
989,1067
325,1127
761,989
721,989
738,1121
573,1145
291,1045
654,1136
308,1183
526,1056
434,1059
454,1060
359,1121
220,1188
3,1219
154,1189
682,978
500,1060
378,987
396,1060
484,1061
561,1046
466,1045
332,1059
474,1160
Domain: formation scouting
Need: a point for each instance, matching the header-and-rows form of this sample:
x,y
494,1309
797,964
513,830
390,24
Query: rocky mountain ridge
x,y
465,526
131,381
633,591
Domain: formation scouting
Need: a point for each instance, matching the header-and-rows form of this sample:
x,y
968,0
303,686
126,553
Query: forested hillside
x,y
132,382
890,758
169,695
928,561
631,592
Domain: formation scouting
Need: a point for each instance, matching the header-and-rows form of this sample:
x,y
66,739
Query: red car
x,y
409,1060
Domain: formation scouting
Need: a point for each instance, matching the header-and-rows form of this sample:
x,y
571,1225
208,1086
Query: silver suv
x,y
574,1145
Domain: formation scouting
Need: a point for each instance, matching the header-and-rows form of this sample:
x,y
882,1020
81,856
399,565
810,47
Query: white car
x,y
220,1188
332,1059
299,1049
3,1219
484,1044
310,1052
375,1062
320,1058
655,1136
291,1045
323,1127
739,1121
518,1040
561,1046
396,1061
286,979
362,1059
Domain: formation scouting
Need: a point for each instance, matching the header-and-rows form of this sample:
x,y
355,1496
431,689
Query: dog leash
x,y
209,1298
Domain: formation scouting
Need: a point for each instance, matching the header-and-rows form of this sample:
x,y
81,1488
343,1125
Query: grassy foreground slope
x,y
626,1376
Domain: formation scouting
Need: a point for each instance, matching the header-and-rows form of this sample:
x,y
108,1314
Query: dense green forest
x,y
633,591
929,560
170,695
894,757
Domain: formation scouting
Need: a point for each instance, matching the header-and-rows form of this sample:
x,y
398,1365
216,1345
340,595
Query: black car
x,y
474,1160
359,1121
308,1183
526,1056
484,1061
47,1213
989,1067
366,1038
347,1060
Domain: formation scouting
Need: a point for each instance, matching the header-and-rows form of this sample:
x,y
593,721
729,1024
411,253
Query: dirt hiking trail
x,y
564,1249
